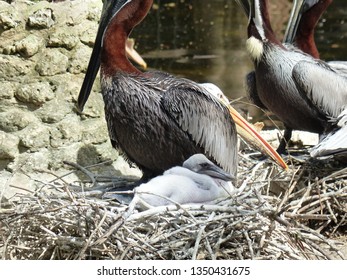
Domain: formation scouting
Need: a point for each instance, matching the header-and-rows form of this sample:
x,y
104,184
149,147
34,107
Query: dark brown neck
x,y
305,35
113,55
253,29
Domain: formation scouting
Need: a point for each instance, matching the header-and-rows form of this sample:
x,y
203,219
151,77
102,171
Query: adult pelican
x,y
156,120
290,83
198,180
300,32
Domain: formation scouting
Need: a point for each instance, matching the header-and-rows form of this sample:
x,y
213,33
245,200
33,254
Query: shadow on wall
x,y
89,157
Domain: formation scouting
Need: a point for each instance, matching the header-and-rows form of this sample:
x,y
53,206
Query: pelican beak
x,y
133,54
94,62
294,20
216,172
245,5
244,128
251,136
299,8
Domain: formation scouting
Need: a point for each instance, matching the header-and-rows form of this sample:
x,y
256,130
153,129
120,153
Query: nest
x,y
274,214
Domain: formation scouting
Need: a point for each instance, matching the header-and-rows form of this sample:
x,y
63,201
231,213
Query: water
x,y
204,40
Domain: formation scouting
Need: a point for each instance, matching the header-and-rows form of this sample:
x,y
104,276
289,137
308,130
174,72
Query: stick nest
x,y
274,214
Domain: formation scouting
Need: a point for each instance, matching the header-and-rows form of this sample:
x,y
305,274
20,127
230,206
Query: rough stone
x,y
29,46
88,33
13,67
7,90
15,119
94,14
8,146
42,61
93,127
9,18
66,86
52,62
68,131
42,18
54,111
79,60
34,161
93,154
36,93
70,128
95,105
65,153
34,137
63,38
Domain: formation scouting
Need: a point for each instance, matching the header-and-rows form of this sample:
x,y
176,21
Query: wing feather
x,y
322,86
206,120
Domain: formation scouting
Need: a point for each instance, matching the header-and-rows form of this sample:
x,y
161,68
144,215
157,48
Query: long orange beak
x,y
249,134
244,128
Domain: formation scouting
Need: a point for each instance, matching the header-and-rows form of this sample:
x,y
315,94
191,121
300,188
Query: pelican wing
x,y
340,67
335,143
205,119
324,88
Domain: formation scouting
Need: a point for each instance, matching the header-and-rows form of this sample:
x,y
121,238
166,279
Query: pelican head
x,y
200,164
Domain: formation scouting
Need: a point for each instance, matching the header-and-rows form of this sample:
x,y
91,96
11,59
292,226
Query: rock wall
x,y
44,51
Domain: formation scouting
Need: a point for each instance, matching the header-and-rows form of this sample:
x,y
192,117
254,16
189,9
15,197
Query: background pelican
x,y
290,83
300,30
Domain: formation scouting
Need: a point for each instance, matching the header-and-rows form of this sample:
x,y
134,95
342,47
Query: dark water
x,y
204,40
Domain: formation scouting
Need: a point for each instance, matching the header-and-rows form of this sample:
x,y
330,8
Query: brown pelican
x,y
303,20
157,120
272,87
198,180
290,83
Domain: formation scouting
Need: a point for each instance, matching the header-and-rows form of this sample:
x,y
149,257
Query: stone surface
x,y
63,38
79,60
52,62
9,17
7,90
35,136
12,67
15,119
43,18
36,93
8,146
29,46
54,111
44,52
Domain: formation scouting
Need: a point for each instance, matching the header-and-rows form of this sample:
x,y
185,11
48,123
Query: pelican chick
x,y
198,180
